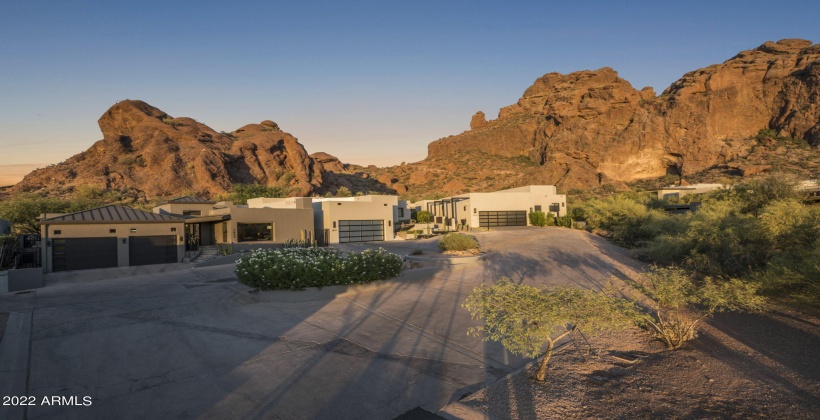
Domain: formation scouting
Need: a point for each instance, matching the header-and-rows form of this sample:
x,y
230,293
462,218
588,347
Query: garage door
x,y
361,230
144,250
502,218
83,253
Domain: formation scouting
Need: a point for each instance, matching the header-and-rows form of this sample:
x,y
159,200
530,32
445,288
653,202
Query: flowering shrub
x,y
297,268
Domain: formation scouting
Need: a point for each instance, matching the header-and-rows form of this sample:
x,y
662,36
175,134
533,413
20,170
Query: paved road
x,y
194,344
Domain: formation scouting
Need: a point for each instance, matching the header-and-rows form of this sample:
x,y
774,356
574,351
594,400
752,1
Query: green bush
x,y
457,242
298,268
538,218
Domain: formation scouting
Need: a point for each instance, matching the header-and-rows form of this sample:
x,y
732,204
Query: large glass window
x,y
250,232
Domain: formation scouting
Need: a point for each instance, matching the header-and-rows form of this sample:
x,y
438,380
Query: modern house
x,y
684,190
357,219
500,208
110,236
263,221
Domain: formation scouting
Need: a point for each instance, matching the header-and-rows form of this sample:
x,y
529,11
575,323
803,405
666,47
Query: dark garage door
x,y
361,230
83,253
502,218
144,250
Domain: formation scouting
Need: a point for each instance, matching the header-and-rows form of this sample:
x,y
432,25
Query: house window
x,y
191,213
465,208
112,230
253,232
334,224
173,229
401,211
225,232
133,230
57,232
555,208
537,208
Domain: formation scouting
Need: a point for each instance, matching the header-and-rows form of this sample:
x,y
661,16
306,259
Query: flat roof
x,y
111,214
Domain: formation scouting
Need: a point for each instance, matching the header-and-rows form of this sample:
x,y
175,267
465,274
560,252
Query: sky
x,y
371,82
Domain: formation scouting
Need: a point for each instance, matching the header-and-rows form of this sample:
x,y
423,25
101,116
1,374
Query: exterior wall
x,y
687,190
372,207
288,223
401,212
101,230
526,199
180,208
281,203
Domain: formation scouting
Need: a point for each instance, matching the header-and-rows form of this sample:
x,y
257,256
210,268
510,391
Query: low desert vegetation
x,y
525,318
678,302
298,268
458,242
759,232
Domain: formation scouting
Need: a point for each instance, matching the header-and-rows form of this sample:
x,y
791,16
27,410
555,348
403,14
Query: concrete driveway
x,y
195,344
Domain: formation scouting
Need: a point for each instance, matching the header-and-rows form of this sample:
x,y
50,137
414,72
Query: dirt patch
x,y
465,253
741,366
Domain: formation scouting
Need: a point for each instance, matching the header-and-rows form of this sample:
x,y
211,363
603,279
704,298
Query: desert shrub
x,y
538,218
241,193
297,268
680,302
564,221
343,192
299,243
457,242
224,249
524,318
417,251
8,249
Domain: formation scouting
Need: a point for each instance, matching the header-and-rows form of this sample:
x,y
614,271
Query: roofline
x,y
44,222
171,201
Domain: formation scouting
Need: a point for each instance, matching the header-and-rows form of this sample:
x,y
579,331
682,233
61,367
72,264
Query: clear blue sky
x,y
369,82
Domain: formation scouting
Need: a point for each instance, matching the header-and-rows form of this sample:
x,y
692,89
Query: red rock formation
x,y
592,127
147,150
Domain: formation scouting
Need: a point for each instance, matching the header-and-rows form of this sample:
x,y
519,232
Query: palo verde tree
x,y
679,303
525,318
426,217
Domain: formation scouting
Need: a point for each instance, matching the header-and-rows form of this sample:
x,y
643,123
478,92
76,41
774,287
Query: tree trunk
x,y
542,368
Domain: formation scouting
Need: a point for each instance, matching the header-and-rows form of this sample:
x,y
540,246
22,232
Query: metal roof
x,y
188,199
112,214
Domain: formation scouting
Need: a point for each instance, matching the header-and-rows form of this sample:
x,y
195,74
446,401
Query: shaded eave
x,y
208,219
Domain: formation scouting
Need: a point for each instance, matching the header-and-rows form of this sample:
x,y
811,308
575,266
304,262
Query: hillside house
x,y
500,208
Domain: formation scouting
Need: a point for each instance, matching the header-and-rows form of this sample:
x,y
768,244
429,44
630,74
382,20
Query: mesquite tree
x,y
679,302
525,318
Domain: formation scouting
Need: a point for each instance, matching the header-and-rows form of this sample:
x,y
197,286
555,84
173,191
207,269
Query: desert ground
x,y
194,343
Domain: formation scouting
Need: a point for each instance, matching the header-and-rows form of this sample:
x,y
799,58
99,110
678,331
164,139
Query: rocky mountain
x,y
592,128
580,130
151,154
